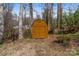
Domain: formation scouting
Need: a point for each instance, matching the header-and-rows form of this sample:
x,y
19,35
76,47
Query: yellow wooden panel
x,y
39,29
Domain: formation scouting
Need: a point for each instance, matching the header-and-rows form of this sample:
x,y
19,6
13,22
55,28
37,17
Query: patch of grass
x,y
66,38
63,40
77,52
70,36
73,52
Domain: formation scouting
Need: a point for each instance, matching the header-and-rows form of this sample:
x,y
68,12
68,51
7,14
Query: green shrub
x,y
64,40
27,33
64,37
76,37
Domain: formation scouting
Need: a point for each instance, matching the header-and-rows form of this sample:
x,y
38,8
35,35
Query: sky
x,y
39,8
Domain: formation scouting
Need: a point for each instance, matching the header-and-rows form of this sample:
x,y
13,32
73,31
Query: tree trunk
x,y
20,22
59,17
48,10
31,15
31,11
1,22
50,17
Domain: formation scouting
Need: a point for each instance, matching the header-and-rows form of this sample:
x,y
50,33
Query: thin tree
x,y
20,21
31,14
31,10
1,22
48,14
50,17
59,16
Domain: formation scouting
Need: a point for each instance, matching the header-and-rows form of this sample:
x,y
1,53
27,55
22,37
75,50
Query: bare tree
x,y
20,21
8,22
31,10
48,15
59,16
31,14
1,22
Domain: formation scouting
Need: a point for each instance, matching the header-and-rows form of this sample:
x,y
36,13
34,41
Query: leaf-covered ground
x,y
37,47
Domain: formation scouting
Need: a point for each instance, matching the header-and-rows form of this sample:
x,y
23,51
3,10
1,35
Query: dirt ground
x,y
37,47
